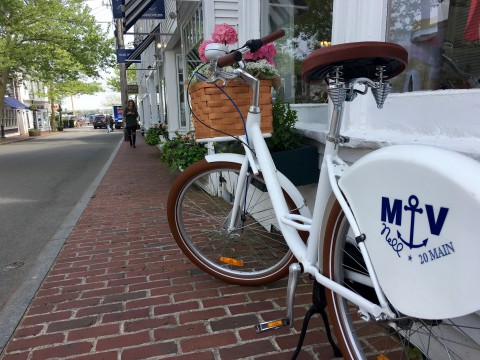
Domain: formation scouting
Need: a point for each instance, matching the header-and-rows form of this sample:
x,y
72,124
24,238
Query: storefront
x,y
13,118
435,101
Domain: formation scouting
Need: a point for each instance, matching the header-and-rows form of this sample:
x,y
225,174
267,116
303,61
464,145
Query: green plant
x,y
152,136
234,146
34,132
182,151
284,136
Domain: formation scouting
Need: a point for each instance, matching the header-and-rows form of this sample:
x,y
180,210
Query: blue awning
x,y
14,103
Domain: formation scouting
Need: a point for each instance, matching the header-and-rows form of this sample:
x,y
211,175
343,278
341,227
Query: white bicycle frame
x,y
307,254
456,175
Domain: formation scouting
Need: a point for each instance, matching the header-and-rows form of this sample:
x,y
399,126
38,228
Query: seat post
x,y
335,124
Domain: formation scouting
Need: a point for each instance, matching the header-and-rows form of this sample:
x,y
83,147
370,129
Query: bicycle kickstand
x,y
319,304
293,273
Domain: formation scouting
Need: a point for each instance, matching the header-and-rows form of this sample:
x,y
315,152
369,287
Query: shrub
x,y
284,136
182,151
152,136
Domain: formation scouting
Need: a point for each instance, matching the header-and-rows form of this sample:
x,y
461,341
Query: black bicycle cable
x,y
231,100
210,127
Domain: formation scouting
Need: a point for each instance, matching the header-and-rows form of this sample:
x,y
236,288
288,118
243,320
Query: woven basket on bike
x,y
214,109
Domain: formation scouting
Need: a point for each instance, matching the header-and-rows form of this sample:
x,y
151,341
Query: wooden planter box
x,y
34,132
300,165
214,109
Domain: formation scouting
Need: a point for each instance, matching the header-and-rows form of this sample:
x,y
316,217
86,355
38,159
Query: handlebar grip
x,y
273,36
229,59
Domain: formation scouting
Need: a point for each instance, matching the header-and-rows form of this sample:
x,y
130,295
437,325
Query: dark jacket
x,y
131,116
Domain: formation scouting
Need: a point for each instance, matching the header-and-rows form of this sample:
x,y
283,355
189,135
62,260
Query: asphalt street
x,y
45,183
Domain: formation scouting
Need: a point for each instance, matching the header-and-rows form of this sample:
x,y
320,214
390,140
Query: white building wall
x,y
219,12
171,89
243,15
444,118
249,18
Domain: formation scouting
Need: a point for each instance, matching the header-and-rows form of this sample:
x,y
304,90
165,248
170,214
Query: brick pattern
x,y
121,289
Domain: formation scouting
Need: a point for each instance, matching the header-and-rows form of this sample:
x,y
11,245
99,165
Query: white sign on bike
x,y
419,207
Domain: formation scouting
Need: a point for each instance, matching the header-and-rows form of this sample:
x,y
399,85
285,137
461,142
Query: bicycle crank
x,y
293,273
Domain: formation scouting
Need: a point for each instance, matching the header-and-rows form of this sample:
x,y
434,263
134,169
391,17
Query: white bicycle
x,y
393,238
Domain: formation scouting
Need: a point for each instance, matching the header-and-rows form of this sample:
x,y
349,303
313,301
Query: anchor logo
x,y
413,208
392,211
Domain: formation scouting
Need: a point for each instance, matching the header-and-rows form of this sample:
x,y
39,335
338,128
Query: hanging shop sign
x,y
123,54
117,7
156,11
132,89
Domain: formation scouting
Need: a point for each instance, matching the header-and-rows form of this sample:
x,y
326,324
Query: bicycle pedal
x,y
271,325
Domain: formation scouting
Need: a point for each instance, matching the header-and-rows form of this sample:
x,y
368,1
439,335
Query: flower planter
x,y
34,132
300,165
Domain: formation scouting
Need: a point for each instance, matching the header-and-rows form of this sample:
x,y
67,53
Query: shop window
x,y
192,36
442,39
308,26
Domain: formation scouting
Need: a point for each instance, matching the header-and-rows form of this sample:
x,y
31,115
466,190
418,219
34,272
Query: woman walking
x,y
131,121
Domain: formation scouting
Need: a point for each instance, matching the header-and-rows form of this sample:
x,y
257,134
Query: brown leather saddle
x,y
359,59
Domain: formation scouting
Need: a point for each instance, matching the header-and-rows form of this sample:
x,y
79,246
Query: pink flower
x,y
266,52
201,50
224,34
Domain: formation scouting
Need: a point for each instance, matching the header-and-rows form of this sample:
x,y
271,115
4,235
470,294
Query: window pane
x,y
442,39
308,26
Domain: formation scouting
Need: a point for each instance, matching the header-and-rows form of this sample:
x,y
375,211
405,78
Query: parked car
x,y
100,121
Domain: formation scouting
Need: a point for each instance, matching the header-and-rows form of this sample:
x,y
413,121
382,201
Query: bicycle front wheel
x,y
402,338
199,210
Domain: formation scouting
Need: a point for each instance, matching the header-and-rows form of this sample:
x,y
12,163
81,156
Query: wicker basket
x,y
214,109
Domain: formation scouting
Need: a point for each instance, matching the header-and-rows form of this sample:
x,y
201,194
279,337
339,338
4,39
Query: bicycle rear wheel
x,y
403,338
199,208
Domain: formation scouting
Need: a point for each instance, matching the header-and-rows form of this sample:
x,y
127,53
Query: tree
x,y
54,41
114,81
60,89
110,100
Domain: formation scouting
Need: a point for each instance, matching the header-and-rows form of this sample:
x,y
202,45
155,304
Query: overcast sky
x,y
103,14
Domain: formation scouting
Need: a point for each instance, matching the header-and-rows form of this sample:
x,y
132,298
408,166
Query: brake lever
x,y
214,79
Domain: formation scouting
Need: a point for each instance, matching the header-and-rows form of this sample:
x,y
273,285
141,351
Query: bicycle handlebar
x,y
251,45
273,36
229,59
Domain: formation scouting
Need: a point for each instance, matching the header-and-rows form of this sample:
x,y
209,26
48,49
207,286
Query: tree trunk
x,y
53,124
3,87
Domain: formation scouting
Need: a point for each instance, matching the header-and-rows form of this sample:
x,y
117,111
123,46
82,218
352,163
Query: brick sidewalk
x,y
121,289
13,138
